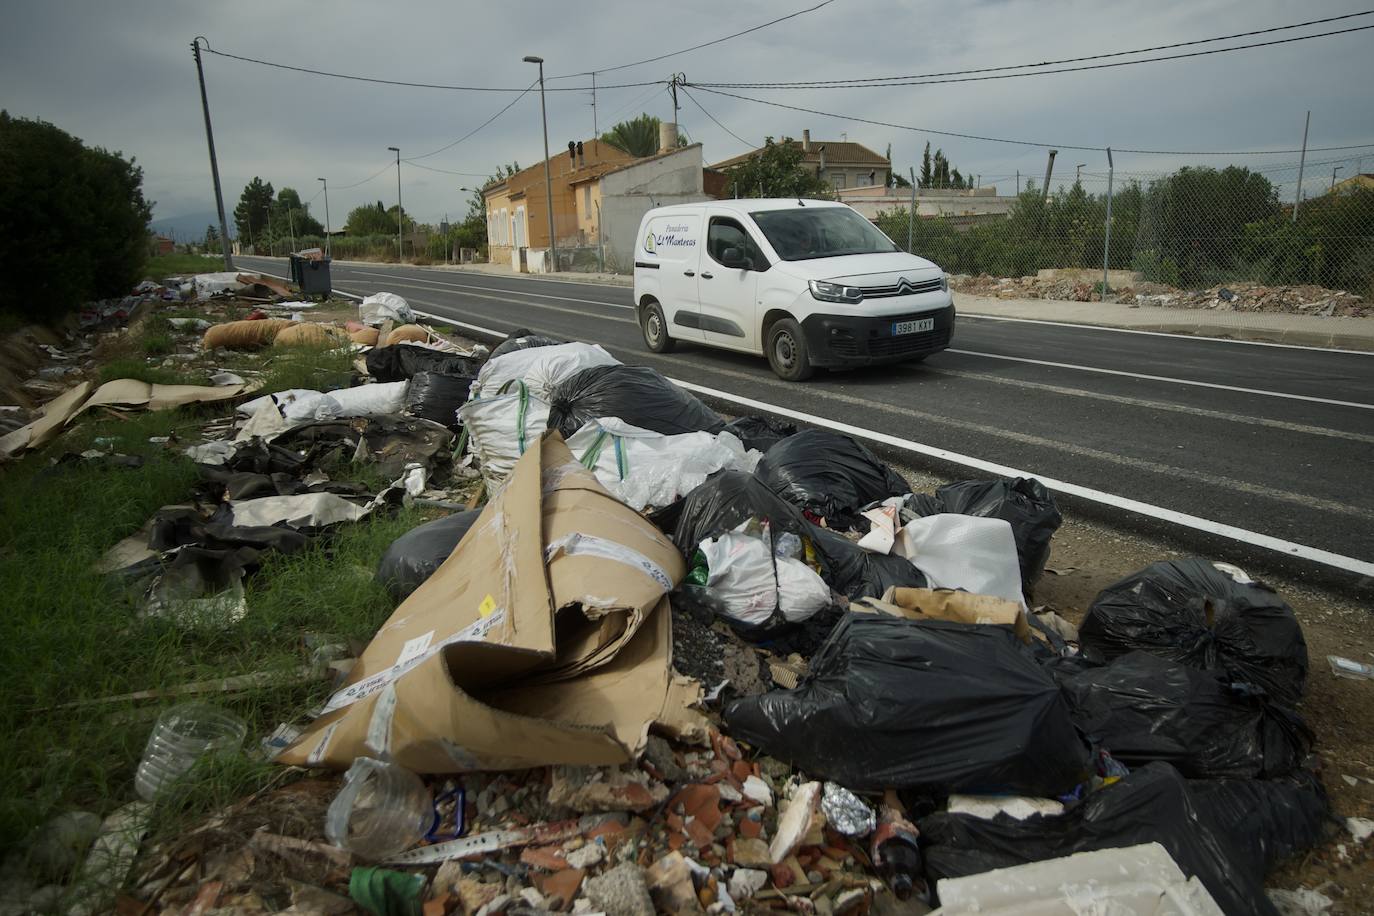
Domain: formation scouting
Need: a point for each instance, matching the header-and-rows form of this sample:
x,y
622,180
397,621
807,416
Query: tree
x,y
639,136
291,218
374,219
898,181
776,170
73,220
211,238
250,216
926,174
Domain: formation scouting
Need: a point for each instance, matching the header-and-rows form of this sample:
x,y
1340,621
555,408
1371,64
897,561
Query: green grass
x,y
69,634
161,267
321,369
141,369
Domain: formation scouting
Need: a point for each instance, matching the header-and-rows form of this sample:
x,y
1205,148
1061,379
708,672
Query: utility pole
x,y
400,211
1049,170
1333,176
672,87
1302,161
291,224
327,230
1107,240
1018,182
548,181
911,223
214,164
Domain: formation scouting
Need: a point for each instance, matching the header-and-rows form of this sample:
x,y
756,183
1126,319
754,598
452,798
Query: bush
x,y
73,221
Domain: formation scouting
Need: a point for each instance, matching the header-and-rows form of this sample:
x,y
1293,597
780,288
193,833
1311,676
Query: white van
x,y
808,283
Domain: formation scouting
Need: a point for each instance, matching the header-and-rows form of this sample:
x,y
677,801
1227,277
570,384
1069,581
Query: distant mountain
x,y
187,228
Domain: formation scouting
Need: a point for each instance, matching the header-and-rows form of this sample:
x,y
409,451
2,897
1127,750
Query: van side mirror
x,y
734,257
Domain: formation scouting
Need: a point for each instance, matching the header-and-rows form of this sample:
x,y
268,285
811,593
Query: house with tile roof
x,y
840,163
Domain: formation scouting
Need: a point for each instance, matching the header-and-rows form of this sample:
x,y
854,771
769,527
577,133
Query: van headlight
x,y
944,282
834,292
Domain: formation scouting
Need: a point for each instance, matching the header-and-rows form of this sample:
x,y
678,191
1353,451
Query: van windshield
x,y
820,232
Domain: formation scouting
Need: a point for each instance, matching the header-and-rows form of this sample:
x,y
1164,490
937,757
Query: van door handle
x,y
705,275
689,273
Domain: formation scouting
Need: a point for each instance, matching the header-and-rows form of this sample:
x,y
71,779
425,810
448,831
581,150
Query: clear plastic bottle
x,y
183,735
381,810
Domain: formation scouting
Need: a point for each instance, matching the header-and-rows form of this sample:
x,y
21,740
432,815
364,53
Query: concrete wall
x,y
982,202
628,194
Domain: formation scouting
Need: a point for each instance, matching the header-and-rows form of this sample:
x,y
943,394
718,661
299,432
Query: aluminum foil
x,y
846,812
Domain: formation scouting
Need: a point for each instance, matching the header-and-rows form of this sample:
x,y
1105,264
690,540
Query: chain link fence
x,y
1187,229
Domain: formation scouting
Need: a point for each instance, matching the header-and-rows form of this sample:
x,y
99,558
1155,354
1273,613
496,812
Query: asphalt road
x,y
1276,440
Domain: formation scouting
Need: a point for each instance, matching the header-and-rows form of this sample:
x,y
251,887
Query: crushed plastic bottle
x,y
1349,668
182,736
382,809
896,855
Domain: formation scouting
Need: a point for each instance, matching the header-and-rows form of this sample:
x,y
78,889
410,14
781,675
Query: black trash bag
x,y
636,394
1274,818
1143,708
1153,804
437,397
760,433
929,705
401,361
524,339
414,556
729,498
829,475
1192,612
1022,501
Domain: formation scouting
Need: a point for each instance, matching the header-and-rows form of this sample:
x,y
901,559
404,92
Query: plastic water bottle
x,y
183,735
383,809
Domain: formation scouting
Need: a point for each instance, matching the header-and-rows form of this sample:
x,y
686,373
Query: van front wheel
x,y
787,352
655,329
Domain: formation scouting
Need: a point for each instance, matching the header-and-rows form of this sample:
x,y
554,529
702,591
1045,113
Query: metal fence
x,y
1190,228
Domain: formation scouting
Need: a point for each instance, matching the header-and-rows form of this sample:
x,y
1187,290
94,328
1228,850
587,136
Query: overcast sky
x,y
120,75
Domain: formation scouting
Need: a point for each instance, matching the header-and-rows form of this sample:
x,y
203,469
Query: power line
x,y
900,81
637,102
704,44
359,184
713,118
962,136
817,84
430,168
386,82
475,129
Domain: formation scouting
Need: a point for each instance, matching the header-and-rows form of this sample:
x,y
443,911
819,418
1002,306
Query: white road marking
x,y
1165,378
464,287
1176,335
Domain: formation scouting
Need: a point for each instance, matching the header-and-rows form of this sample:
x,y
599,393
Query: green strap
x,y
622,462
524,409
593,452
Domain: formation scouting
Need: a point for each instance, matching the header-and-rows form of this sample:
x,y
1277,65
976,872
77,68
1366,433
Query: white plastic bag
x,y
962,551
643,468
540,368
362,401
741,575
500,428
208,284
381,307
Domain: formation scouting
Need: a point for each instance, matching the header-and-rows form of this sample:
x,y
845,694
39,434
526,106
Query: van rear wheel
x,y
655,329
787,352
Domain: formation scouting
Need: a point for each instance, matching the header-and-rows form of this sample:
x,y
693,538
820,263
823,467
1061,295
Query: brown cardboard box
x,y
510,655
948,604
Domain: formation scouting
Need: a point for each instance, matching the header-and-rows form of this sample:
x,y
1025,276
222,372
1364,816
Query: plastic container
x,y
1349,668
183,735
382,810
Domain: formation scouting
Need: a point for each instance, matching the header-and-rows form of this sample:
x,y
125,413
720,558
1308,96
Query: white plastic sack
x,y
961,551
362,401
248,408
500,428
303,510
740,573
381,307
643,468
208,284
540,368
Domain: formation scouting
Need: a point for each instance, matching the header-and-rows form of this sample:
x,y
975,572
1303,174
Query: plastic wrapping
x,y
956,551
1192,612
636,394
1143,708
378,308
829,475
1226,845
542,369
760,433
400,362
437,397
1022,501
500,428
414,556
926,705
523,339
644,468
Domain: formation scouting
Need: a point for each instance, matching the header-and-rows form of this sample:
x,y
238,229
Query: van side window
x,y
727,233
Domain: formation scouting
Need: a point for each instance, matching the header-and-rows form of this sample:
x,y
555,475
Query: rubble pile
x,y
1239,296
688,664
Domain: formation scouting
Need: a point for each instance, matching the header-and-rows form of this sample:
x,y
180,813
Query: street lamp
x,y
548,182
400,211
327,230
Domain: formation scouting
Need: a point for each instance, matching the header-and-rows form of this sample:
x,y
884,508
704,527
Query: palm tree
x,y
639,136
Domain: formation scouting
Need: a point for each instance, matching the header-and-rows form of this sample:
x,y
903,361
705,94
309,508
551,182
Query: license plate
x,y
913,327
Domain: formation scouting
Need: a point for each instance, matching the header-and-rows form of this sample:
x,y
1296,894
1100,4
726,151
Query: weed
x,y
307,367
161,267
157,344
129,367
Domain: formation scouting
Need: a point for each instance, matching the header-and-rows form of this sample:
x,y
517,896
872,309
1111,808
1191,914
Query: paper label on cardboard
x,y
586,545
379,726
323,747
414,648
487,606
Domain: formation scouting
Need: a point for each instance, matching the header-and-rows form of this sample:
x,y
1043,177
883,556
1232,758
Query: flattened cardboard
x,y
40,432
505,610
131,394
952,605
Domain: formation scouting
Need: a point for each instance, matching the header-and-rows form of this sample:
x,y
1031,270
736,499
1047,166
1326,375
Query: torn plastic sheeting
x,y
829,475
226,281
1024,502
414,556
378,308
648,469
925,705
540,368
960,551
1151,804
524,339
1191,611
500,429
495,613
638,395
761,433
1143,708
306,510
